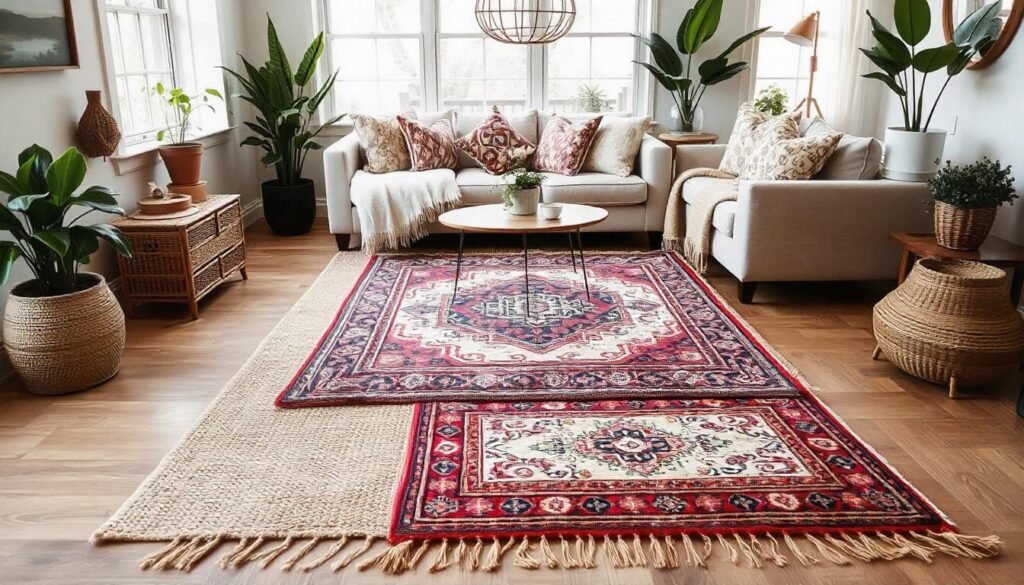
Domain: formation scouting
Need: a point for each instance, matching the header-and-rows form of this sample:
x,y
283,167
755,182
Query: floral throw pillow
x,y
492,144
382,141
430,146
746,134
564,146
782,154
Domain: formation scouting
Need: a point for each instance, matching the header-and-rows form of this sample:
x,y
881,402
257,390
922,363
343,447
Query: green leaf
x,y
24,202
889,44
278,59
681,32
37,151
702,25
112,235
312,146
37,176
214,93
888,80
740,41
9,222
960,63
100,199
66,174
43,214
258,129
913,20
664,55
712,66
160,135
57,240
319,96
253,141
930,60
159,88
977,27
309,60
725,74
10,185
25,174
9,254
665,81
84,243
270,159
882,61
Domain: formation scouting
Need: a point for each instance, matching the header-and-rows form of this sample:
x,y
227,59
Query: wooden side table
x,y
994,252
181,260
672,139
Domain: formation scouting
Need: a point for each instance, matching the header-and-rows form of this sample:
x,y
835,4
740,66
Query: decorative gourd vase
x,y
525,202
951,323
64,343
98,134
958,228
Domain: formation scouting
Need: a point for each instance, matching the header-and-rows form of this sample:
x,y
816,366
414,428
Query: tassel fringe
x,y
579,552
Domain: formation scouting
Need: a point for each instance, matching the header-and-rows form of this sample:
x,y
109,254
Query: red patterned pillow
x,y
492,143
564,146
430,147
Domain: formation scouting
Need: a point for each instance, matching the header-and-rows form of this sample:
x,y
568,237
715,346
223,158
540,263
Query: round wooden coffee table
x,y
493,219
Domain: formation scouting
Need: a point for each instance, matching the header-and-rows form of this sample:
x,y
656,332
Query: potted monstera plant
x,y
284,130
675,72
63,329
912,150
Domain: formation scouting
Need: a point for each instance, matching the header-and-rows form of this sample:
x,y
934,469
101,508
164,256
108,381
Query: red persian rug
x,y
650,328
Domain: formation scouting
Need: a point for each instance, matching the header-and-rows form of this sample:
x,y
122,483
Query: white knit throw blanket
x,y
395,209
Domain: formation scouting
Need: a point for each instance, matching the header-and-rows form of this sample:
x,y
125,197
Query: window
x,y
787,65
397,55
174,42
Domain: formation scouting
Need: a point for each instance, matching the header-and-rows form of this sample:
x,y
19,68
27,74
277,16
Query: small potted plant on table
x,y
966,199
521,190
63,330
183,158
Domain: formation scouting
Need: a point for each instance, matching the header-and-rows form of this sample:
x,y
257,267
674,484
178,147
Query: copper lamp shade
x,y
804,32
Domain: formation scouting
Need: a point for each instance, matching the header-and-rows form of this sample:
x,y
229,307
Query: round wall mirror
x,y
955,11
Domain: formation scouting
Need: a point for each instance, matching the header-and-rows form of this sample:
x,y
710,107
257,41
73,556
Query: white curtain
x,y
856,101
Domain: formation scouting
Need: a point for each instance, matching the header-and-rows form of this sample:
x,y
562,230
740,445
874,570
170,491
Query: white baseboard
x,y
253,211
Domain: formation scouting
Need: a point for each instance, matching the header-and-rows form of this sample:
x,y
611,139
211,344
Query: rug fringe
x,y
574,551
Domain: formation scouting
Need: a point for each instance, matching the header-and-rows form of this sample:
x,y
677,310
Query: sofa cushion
x,y
525,123
616,145
495,145
382,141
743,142
478,186
855,159
564,146
781,153
725,213
431,146
593,189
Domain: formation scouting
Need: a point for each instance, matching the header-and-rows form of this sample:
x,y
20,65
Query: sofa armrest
x,y
825,230
341,161
654,166
692,156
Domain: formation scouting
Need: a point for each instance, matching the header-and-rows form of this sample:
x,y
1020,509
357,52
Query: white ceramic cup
x,y
551,210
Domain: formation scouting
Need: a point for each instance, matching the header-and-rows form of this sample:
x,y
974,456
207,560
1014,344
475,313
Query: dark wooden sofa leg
x,y
654,240
745,291
343,241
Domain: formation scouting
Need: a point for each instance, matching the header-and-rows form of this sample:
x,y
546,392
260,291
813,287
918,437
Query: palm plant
x,y
42,193
905,69
283,127
698,27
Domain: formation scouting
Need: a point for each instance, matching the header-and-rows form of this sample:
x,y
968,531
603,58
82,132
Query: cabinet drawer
x,y
156,253
228,217
233,259
228,238
207,277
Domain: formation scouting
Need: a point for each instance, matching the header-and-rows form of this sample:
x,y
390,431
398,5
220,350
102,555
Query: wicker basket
x,y
951,323
962,229
64,343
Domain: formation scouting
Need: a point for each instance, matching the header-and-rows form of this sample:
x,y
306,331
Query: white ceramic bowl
x,y
551,210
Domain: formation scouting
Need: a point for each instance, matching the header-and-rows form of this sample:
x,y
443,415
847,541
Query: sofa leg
x,y
343,241
745,291
654,240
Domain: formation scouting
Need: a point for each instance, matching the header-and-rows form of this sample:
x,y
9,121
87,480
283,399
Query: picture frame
x,y
37,36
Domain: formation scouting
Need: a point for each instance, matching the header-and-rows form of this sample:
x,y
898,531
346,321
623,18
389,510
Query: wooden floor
x,y
67,463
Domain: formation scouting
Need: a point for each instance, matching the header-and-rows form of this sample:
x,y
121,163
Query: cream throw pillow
x,y
383,143
746,133
781,154
616,145
855,159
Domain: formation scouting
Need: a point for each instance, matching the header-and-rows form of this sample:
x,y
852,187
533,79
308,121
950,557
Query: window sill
x,y
143,156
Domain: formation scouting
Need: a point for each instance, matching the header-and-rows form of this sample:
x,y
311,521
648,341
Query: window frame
x,y
537,63
803,60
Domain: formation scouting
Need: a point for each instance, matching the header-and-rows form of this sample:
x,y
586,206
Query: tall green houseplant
x,y
674,70
284,129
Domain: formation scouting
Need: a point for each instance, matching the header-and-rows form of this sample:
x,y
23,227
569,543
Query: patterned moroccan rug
x,y
648,329
728,454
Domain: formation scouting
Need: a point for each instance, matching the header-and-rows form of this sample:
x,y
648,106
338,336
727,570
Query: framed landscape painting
x,y
37,35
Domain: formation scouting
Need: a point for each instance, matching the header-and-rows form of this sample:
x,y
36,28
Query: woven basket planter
x,y
951,323
962,229
64,343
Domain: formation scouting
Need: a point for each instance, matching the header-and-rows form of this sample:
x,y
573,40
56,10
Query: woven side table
x,y
182,260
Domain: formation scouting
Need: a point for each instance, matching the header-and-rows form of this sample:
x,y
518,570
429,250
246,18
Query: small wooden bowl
x,y
173,203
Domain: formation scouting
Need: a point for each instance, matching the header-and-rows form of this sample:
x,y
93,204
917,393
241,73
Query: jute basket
x,y
958,228
951,323
64,343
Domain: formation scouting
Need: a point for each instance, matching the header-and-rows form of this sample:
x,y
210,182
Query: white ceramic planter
x,y
912,156
525,202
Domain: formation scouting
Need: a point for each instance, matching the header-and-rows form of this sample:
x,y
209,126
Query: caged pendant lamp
x,y
525,22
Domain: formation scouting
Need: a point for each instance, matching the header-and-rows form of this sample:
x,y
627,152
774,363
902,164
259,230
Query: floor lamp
x,y
805,34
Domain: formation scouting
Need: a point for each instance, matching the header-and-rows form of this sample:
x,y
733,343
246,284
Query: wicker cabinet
x,y
183,259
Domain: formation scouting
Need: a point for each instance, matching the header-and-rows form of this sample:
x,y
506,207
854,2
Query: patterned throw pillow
x,y
430,147
564,146
491,144
745,136
781,154
382,141
616,145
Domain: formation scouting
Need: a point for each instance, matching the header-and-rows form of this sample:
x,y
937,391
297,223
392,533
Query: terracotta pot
x,y
183,161
98,134
957,228
64,343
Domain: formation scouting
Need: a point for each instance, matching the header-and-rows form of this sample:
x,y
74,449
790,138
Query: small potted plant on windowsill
x,y
521,190
772,100
63,330
966,199
183,158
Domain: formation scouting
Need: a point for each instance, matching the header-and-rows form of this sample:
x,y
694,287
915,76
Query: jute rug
x,y
652,482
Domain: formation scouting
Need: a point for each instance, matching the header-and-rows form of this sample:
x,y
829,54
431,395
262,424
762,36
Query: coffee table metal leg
x,y
572,252
583,263
526,274
458,264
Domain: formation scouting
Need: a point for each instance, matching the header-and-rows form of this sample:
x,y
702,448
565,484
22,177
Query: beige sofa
x,y
635,203
807,230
